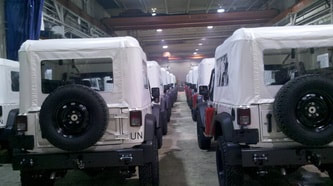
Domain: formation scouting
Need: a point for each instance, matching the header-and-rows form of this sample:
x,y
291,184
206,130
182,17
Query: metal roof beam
x,y
197,20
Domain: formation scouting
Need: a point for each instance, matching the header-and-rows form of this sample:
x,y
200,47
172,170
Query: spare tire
x,y
303,109
73,117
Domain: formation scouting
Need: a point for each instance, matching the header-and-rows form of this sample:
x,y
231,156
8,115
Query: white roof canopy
x,y
243,54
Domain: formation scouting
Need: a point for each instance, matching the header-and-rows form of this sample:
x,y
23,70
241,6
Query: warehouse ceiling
x,y
184,29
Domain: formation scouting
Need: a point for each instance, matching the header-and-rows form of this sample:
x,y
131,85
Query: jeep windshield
x,y
281,65
95,73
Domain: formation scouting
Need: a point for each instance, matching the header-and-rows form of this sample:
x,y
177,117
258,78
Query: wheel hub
x,y
314,111
72,119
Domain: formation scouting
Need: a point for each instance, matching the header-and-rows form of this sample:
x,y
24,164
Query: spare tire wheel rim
x,y
72,119
314,111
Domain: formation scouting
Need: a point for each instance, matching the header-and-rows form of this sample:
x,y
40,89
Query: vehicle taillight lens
x,y
209,116
21,123
194,101
135,118
244,116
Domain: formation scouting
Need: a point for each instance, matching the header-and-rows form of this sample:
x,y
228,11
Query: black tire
x,y
164,122
36,178
194,114
203,142
303,109
69,104
159,135
149,173
169,114
228,175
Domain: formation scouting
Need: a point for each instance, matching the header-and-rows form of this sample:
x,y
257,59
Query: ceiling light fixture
x,y
162,40
195,53
159,30
210,27
153,14
196,49
220,10
165,46
200,44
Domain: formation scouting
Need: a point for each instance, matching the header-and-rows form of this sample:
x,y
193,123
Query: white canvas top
x,y
125,52
204,71
173,79
168,77
195,75
190,78
164,76
9,63
7,96
154,75
243,52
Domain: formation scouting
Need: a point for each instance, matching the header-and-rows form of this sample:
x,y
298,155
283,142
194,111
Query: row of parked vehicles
x,y
266,99
88,104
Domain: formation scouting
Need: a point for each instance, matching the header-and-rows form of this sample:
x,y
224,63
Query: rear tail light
x,y
209,115
135,118
244,116
194,101
21,123
0,111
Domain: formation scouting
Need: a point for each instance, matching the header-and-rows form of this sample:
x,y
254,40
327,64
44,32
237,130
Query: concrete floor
x,y
182,163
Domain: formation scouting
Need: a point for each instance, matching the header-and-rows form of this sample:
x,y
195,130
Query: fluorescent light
x,y
196,49
203,39
153,14
159,30
162,40
209,27
165,46
200,44
220,10
195,53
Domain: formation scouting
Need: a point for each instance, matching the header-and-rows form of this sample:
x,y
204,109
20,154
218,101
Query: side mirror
x,y
203,90
155,92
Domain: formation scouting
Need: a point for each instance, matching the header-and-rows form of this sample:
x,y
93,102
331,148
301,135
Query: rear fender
x,y
150,125
201,111
224,126
156,110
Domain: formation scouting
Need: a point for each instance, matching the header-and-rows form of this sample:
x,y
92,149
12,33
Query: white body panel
x,y
128,91
9,98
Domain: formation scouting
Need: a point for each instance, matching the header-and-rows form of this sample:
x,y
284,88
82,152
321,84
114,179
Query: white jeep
x,y
167,93
159,108
65,124
9,98
272,101
200,100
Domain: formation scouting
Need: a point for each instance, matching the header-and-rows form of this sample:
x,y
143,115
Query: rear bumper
x,y
270,157
81,160
254,157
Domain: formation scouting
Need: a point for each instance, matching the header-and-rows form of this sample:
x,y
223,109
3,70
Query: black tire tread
x,y
93,139
280,106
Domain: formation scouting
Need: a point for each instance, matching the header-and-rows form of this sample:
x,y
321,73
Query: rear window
x,y
96,73
15,81
281,65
